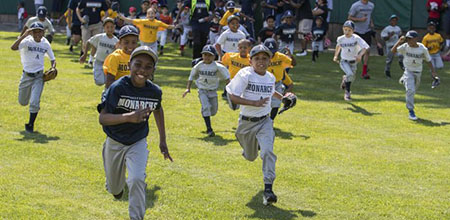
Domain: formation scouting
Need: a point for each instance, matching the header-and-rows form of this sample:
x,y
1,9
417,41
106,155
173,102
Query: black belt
x,y
33,74
350,61
253,119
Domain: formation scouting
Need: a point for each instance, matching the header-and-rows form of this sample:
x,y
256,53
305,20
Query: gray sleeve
x,y
352,12
224,74
194,72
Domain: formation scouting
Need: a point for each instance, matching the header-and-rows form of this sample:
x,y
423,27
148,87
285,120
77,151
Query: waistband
x,y
33,74
349,61
253,119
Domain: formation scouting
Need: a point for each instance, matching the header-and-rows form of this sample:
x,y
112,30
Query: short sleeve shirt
x,y
319,32
350,46
286,32
148,29
104,45
360,10
433,42
265,33
73,4
116,64
32,54
122,97
92,8
207,76
234,62
229,40
278,65
46,23
413,56
391,29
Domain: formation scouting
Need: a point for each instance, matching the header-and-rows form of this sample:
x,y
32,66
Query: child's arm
x,y
127,20
86,49
336,53
159,120
188,88
433,71
109,80
16,43
400,41
219,51
360,54
137,116
241,101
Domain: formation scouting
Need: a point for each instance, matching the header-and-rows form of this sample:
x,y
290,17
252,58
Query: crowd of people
x,y
254,64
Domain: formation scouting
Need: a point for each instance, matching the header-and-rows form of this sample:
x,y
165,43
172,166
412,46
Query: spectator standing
x,y
145,5
269,8
89,16
279,12
74,24
21,14
248,7
132,12
361,14
200,15
434,8
305,22
321,10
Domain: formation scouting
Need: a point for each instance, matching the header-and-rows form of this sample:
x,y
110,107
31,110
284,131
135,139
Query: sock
x,y
90,58
32,118
208,123
315,54
267,187
162,48
347,86
273,113
364,69
181,47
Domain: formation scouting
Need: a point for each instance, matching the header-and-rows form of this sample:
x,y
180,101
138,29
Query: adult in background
x,y
247,8
305,22
434,8
200,15
88,12
74,23
42,18
321,10
145,5
269,8
361,14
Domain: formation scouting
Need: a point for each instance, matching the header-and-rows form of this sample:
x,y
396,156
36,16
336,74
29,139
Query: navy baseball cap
x,y
431,23
271,44
260,49
232,17
144,50
393,16
349,24
209,49
287,13
230,4
37,26
411,34
128,30
42,12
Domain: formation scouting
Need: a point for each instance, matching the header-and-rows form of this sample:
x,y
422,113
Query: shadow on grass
x,y
37,137
361,110
150,196
217,140
273,212
288,135
430,123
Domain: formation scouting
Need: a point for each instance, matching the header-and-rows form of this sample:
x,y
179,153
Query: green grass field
x,y
336,160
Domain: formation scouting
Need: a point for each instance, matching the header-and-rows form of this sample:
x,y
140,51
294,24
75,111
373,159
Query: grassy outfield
x,y
336,160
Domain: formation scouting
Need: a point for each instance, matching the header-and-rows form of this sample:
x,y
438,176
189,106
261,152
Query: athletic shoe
x,y
388,73
347,96
68,41
343,82
118,196
269,197
412,115
301,54
71,48
211,133
29,128
224,95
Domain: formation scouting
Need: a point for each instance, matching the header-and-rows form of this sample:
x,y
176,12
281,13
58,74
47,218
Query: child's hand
x,y
186,92
335,59
83,58
402,39
139,115
261,102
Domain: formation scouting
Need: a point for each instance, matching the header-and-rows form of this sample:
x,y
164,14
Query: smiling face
x,y
412,42
347,31
260,62
234,25
151,13
244,48
128,43
37,35
208,58
142,67
270,23
109,28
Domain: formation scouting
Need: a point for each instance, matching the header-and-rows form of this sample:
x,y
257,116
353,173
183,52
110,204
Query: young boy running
x,y
228,40
102,45
353,48
124,114
414,53
207,74
236,61
253,88
434,42
33,46
390,35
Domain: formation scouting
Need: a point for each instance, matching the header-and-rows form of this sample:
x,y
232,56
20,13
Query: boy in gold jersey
x,y
279,65
148,28
434,42
116,63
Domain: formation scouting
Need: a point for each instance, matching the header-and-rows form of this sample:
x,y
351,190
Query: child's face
x,y
347,31
243,48
109,28
128,43
288,20
318,22
151,14
208,58
154,6
393,22
132,13
270,23
141,68
412,42
37,35
145,6
165,11
234,25
431,29
260,62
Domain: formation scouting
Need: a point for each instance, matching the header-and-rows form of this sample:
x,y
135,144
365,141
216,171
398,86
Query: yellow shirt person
x,y
234,62
116,64
148,29
278,65
433,42
224,21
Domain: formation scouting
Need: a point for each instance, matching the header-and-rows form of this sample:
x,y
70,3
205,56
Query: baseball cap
x,y
411,34
271,44
209,49
288,13
260,49
132,9
42,12
230,4
128,30
154,1
431,23
349,24
144,50
232,17
37,26
393,16
108,19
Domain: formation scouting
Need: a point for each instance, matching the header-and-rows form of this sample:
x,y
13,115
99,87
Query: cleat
x,y
412,115
29,128
269,197
347,96
211,133
118,196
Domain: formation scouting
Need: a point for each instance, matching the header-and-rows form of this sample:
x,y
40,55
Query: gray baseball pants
x,y
208,99
30,90
99,75
411,81
390,57
349,68
254,135
117,157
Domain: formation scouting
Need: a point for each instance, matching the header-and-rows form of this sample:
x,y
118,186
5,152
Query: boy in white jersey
x,y
390,35
353,48
229,39
207,74
33,46
414,53
253,88
102,45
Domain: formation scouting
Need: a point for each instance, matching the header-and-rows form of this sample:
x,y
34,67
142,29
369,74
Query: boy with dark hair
x,y
267,32
390,35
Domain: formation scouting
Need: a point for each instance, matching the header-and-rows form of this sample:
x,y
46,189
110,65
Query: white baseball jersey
x,y
207,76
104,45
350,46
32,54
250,85
46,23
414,56
391,29
241,28
229,40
